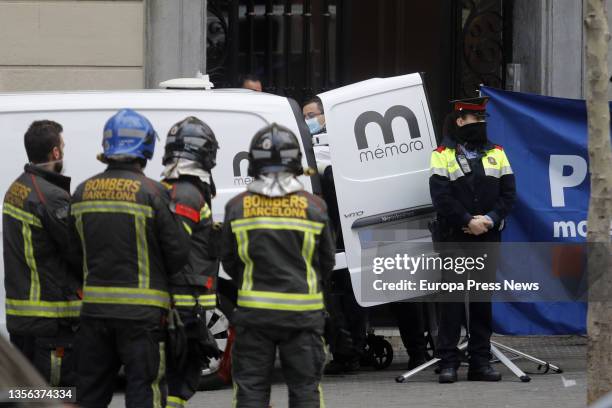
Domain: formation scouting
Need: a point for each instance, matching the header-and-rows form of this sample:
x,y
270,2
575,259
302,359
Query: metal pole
x,y
250,15
511,366
287,15
270,45
527,356
343,38
307,19
325,24
234,29
422,367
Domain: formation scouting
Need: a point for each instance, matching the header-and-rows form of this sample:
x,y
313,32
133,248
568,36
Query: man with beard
x,y
472,189
42,305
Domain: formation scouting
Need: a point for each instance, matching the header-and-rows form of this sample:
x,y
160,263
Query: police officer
x,y
132,244
42,305
191,151
472,189
278,248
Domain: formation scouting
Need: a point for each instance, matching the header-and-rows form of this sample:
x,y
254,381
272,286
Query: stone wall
x,y
68,45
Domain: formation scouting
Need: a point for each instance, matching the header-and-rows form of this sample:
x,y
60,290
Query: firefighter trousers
x,y
103,345
52,356
183,381
302,356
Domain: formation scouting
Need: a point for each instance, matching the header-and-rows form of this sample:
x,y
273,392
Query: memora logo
x,y
239,180
391,148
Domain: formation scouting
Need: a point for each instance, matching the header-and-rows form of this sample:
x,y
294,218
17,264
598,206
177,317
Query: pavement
x,y
369,388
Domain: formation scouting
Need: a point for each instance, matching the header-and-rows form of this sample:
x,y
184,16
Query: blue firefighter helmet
x,y
128,135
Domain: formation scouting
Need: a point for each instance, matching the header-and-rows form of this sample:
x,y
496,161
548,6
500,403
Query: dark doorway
x,y
399,37
292,45
303,47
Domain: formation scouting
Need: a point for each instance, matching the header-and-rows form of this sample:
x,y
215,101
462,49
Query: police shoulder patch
x,y
498,147
440,149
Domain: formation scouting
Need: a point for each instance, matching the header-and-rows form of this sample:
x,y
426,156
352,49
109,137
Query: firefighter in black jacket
x,y
191,151
278,248
42,305
132,244
472,189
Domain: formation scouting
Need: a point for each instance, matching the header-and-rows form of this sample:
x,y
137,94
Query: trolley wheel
x,y
400,379
382,354
525,378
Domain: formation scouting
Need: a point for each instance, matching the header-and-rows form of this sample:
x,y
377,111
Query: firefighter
x,y
132,244
42,303
278,248
191,151
473,190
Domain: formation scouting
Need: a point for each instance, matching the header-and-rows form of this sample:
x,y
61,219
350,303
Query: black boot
x,y
486,373
447,376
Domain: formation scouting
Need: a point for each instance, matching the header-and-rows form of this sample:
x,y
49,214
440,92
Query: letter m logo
x,y
385,123
238,158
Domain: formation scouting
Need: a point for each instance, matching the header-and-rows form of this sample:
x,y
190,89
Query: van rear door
x,y
380,137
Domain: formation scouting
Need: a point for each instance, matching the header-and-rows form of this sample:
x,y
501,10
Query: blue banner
x,y
545,139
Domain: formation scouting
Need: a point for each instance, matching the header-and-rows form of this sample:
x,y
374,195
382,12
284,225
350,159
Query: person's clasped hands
x,y
479,224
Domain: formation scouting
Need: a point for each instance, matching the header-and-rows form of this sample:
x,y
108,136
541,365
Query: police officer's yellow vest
x,y
444,163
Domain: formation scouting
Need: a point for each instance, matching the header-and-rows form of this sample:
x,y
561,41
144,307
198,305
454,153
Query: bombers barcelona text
x,y
260,206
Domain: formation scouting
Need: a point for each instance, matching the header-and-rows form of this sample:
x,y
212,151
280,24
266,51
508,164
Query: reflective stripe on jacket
x,y
197,280
41,283
131,244
280,253
488,189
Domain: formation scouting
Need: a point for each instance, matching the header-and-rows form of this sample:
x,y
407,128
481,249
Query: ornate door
x,y
483,44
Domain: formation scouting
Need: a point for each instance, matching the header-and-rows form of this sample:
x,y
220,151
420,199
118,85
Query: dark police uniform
x,y
488,189
131,245
42,302
193,288
280,253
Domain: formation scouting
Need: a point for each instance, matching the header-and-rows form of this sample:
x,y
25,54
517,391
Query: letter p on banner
x,y
558,182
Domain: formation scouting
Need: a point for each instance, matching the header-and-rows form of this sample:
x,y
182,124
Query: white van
x,y
380,138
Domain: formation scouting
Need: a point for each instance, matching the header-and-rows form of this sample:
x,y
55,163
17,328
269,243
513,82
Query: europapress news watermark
x,y
518,272
478,278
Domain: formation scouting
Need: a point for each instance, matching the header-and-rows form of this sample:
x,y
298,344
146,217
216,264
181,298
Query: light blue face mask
x,y
314,126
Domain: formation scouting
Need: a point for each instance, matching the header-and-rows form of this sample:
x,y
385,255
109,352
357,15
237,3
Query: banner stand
x,y
495,350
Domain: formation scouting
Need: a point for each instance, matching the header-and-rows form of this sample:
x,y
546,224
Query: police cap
x,y
474,106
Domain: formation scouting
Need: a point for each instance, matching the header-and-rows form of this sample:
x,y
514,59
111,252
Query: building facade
x,y
64,44
99,44
298,47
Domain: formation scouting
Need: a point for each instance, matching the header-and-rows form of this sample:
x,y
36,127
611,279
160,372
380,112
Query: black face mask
x,y
473,133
